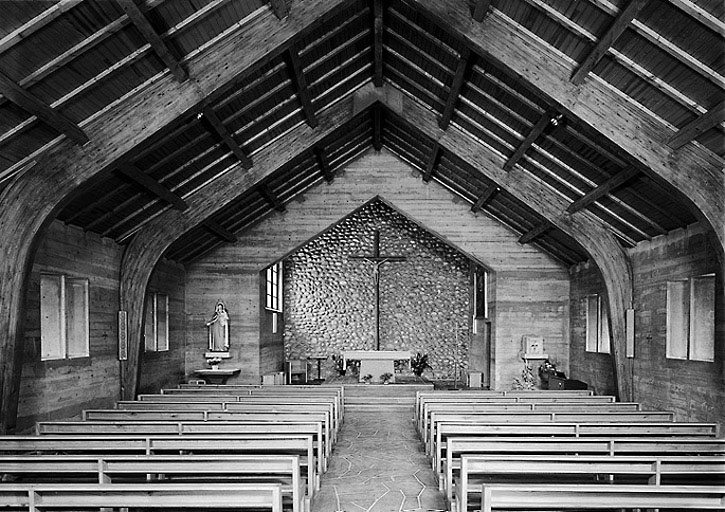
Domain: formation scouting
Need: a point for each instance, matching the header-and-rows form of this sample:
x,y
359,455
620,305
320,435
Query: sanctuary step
x,y
373,397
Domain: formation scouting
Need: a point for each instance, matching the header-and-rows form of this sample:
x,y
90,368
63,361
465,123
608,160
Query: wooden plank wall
x,y
694,390
531,289
61,389
166,369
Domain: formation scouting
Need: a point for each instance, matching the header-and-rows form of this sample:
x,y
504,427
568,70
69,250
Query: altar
x,y
376,362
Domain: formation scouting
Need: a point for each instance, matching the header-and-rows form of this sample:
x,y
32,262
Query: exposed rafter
x,y
377,127
480,9
602,190
535,233
28,102
154,187
269,196
432,162
279,8
378,42
550,117
485,198
220,231
323,163
618,26
303,92
218,127
152,37
464,62
693,129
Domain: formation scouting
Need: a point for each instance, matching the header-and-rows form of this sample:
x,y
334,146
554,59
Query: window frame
x,y
598,339
274,288
156,323
64,317
690,324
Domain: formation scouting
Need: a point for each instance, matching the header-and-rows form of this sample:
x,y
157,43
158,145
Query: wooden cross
x,y
379,261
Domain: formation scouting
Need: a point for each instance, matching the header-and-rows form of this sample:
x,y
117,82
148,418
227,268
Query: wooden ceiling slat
x,y
303,92
218,126
693,129
481,9
152,37
602,190
464,63
432,162
701,15
623,20
46,113
280,8
485,198
535,232
220,231
378,29
31,26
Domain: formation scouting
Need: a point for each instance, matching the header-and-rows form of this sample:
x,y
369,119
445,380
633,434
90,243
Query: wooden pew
x,y
474,399
476,469
238,417
596,497
541,417
253,389
81,443
522,407
478,431
260,398
282,469
267,405
582,446
35,497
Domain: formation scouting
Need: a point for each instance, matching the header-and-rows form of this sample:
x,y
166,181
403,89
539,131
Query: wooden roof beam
x,y
378,29
695,128
550,117
269,196
485,198
33,25
218,127
154,187
280,8
220,231
432,162
464,62
153,38
377,126
602,190
323,163
303,92
31,104
618,26
480,10
535,232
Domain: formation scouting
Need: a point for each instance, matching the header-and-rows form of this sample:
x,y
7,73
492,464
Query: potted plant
x,y
367,379
213,362
418,363
386,377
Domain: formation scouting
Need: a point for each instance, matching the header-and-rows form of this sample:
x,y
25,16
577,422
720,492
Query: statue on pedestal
x,y
219,329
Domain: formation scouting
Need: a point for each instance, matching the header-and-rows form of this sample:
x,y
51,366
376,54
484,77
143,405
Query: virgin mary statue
x,y
219,329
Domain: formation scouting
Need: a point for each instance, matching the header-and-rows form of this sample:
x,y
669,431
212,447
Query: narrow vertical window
x,y
156,325
597,324
64,317
274,287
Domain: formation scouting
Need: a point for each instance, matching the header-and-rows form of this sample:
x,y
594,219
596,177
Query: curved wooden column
x,y
696,172
604,250
35,198
148,245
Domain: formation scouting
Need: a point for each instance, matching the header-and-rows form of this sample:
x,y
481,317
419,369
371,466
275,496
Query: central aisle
x,y
378,465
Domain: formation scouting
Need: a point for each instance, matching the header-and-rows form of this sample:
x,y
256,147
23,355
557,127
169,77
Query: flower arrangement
x,y
547,369
214,361
386,377
367,379
418,363
527,380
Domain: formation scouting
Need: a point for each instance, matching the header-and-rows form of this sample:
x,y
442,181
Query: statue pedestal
x,y
217,376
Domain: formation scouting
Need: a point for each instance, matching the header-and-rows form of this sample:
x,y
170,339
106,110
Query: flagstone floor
x,y
378,465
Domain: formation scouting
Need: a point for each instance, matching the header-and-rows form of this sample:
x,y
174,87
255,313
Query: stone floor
x,y
378,465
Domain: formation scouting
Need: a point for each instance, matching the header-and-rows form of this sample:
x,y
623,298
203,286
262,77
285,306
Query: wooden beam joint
x,y
269,196
605,188
464,64
485,198
303,92
154,187
535,233
551,119
432,163
217,127
280,8
695,128
220,231
323,163
480,10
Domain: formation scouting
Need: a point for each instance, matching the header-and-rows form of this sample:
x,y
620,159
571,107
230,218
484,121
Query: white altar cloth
x,y
375,362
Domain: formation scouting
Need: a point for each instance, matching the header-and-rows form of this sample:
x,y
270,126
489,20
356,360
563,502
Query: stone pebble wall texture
x,y
329,298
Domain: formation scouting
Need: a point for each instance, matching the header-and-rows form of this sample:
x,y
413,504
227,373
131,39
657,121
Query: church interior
x,y
215,214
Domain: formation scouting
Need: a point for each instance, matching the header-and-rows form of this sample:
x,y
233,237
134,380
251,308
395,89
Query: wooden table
x,y
376,362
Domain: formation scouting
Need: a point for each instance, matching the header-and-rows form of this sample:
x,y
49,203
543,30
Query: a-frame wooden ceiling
x,y
65,64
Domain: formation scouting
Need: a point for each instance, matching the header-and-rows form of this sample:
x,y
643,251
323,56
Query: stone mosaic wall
x,y
329,297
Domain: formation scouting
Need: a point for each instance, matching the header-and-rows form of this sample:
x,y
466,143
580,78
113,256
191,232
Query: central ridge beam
x,y
378,29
